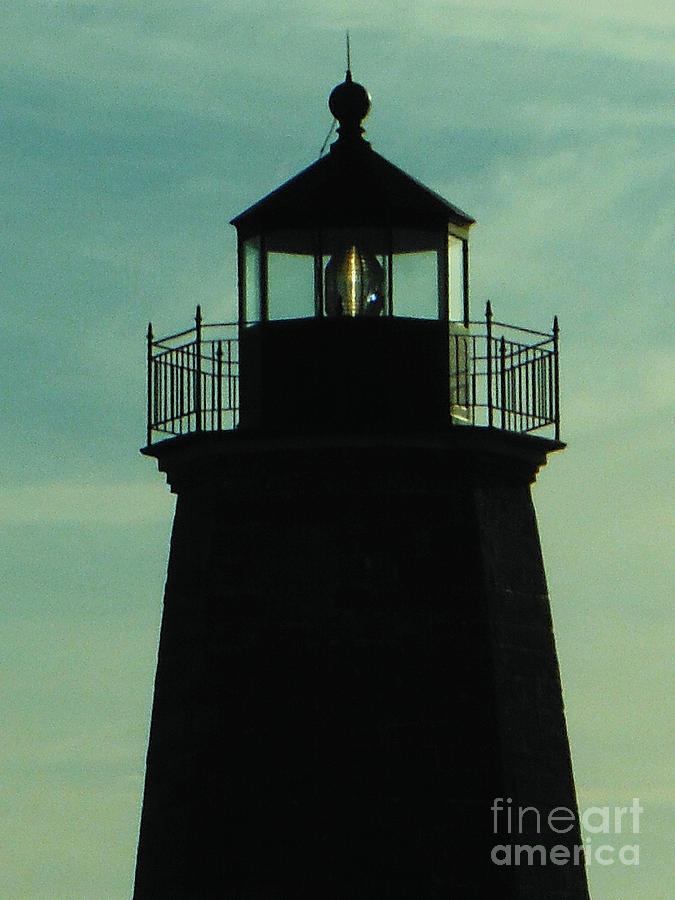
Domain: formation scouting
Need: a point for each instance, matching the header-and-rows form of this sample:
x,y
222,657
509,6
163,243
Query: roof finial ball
x,y
350,104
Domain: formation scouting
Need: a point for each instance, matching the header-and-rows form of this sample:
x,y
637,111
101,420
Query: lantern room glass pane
x,y
290,286
456,277
252,279
415,284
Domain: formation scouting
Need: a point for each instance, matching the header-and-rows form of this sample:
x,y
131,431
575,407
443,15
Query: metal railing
x,y
501,376
505,377
193,379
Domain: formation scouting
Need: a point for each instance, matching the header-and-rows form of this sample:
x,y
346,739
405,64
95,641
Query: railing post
x,y
556,378
502,379
150,393
219,386
198,369
488,354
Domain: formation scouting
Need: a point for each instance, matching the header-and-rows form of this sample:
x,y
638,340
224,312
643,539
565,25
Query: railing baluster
x,y
528,411
172,371
549,367
235,402
157,382
219,383
473,379
150,391
230,404
535,395
164,393
212,378
458,399
518,378
502,379
181,380
488,344
556,377
198,369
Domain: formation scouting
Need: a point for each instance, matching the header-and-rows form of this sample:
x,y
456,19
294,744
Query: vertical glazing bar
x,y
502,379
148,433
488,354
198,369
241,282
465,282
556,377
264,308
443,273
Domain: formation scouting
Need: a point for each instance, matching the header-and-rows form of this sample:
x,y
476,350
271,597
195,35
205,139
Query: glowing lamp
x,y
354,284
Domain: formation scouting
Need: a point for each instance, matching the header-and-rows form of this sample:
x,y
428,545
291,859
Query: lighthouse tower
x,y
357,693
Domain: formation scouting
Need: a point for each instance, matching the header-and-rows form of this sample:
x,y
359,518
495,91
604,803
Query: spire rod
x,y
349,102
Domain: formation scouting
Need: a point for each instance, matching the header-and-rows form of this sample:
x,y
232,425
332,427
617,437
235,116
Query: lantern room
x,y
348,277
352,235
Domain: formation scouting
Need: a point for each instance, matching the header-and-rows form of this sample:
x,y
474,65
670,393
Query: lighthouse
x,y
357,693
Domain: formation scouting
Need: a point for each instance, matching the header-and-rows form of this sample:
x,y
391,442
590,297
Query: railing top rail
x,y
173,337
496,323
163,341
547,334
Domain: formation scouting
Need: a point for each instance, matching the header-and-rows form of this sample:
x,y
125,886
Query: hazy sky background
x,y
132,132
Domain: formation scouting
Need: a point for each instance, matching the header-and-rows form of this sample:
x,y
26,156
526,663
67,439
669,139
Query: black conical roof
x,y
351,184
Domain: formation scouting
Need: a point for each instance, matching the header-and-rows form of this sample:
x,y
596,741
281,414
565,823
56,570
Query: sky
x,y
132,132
